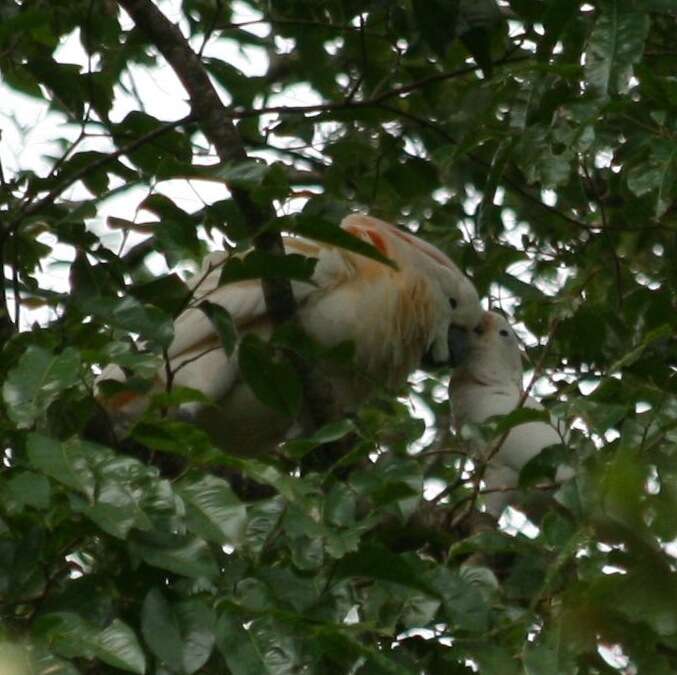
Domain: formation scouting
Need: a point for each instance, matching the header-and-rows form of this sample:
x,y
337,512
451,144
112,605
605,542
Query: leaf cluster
x,y
536,144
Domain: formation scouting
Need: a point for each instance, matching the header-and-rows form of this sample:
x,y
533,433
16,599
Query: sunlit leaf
x,y
37,381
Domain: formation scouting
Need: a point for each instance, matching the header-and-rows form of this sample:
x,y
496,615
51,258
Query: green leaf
x,y
375,562
131,315
264,265
496,660
616,43
165,154
213,510
329,233
169,293
341,644
178,240
436,19
38,380
222,322
655,172
72,636
30,489
173,436
241,86
498,165
160,628
272,377
240,652
197,627
465,605
150,322
249,173
329,433
118,646
520,416
65,463
543,466
91,281
182,554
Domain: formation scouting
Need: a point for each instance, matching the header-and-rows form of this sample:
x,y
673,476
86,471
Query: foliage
x,y
549,174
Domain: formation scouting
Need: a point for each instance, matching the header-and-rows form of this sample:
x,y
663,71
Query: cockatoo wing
x,y
196,355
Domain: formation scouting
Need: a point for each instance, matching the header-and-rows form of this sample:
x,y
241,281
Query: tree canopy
x,y
534,142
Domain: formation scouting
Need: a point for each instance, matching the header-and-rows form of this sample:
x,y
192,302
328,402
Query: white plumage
x,y
393,317
489,383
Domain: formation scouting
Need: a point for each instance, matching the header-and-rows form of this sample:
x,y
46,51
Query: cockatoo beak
x,y
459,345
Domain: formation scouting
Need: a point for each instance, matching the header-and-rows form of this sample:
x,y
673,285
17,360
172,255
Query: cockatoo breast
x,y
391,320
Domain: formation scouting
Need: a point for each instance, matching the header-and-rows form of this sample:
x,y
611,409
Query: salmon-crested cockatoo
x,y
489,383
394,316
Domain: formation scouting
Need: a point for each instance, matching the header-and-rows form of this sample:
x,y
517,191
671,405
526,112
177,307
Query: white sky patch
x,y
616,658
29,130
432,487
352,616
549,197
442,195
332,47
587,386
473,199
284,45
603,158
514,522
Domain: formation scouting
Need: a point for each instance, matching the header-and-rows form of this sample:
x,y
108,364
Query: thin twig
x,y
363,51
7,328
344,27
370,102
605,226
514,186
212,25
15,283
30,208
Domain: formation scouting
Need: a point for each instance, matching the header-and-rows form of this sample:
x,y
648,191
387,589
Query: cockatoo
x,y
394,317
488,383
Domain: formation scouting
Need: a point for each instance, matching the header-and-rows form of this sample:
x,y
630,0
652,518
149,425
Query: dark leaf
x,y
38,380
270,375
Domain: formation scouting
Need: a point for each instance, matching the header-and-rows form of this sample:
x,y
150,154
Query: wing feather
x,y
195,352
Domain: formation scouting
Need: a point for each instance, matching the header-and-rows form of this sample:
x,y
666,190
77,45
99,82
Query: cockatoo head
x,y
442,297
459,312
493,353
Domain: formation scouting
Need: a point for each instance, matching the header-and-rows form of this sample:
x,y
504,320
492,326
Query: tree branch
x,y
350,103
216,123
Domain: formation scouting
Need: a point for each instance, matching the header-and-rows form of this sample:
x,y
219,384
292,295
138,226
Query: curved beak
x,y
459,345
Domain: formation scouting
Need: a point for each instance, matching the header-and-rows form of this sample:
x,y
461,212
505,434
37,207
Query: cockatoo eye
x,y
453,302
478,330
503,332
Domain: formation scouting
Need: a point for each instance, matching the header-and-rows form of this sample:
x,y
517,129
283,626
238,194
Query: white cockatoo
x,y
394,317
489,383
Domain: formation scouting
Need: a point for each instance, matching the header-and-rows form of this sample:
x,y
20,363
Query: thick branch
x,y
218,127
214,120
